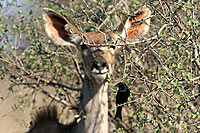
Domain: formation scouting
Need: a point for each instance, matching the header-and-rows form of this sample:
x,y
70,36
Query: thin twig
x,y
55,98
77,68
195,53
136,42
110,12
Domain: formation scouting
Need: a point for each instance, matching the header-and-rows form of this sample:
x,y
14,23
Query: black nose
x,y
99,65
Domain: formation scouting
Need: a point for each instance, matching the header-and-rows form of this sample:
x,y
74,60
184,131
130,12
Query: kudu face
x,y
98,61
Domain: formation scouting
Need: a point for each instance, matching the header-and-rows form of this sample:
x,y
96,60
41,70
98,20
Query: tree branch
x,y
120,122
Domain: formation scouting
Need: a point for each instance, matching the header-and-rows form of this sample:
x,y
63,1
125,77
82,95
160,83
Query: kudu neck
x,y
94,105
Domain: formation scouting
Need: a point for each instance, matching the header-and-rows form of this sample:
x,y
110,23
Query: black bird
x,y
122,97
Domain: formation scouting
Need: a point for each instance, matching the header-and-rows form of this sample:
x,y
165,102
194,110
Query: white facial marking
x,y
105,70
99,76
95,71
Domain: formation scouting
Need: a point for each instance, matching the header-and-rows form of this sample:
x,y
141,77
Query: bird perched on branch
x,y
122,97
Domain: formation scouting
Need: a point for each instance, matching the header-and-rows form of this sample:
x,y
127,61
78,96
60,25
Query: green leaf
x,y
190,22
22,120
178,105
172,38
159,85
90,21
10,88
76,116
11,3
111,6
114,89
194,116
195,21
28,1
175,83
78,120
20,12
184,125
189,75
142,115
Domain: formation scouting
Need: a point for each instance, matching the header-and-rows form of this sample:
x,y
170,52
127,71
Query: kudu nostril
x,y
103,64
99,65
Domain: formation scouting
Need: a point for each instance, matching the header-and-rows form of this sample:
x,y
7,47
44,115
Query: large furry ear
x,y
136,25
59,29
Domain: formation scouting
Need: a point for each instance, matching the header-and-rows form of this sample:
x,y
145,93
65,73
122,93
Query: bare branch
x,y
137,42
56,98
109,13
121,123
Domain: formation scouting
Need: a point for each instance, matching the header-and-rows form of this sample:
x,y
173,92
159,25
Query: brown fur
x,y
94,101
46,120
46,114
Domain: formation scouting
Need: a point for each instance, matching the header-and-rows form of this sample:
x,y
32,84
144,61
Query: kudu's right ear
x,y
59,29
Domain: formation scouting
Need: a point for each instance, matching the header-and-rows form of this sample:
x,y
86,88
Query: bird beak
x,y
120,83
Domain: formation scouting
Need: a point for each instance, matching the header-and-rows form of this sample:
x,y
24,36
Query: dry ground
x,y
15,113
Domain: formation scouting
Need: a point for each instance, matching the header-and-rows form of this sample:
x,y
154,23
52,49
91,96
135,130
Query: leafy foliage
x,y
163,73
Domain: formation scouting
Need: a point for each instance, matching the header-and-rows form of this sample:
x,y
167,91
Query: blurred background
x,y
162,73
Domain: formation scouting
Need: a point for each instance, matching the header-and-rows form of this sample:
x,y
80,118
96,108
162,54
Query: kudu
x,y
98,62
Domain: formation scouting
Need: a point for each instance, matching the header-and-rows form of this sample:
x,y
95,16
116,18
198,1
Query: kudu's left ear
x,y
136,25
58,28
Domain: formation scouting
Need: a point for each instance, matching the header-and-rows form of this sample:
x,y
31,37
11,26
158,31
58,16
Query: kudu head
x,y
98,61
